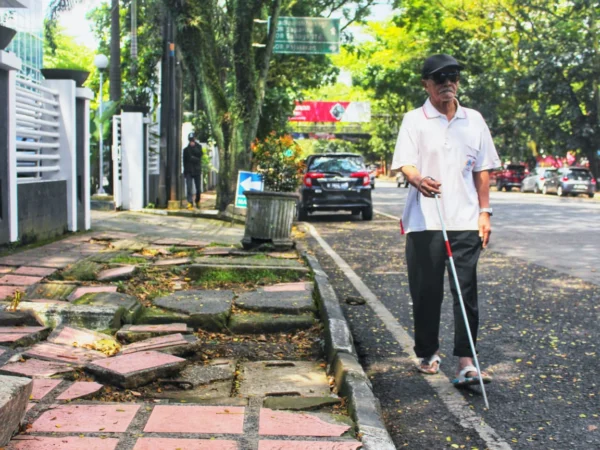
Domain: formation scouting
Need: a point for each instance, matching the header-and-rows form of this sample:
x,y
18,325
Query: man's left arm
x,y
482,186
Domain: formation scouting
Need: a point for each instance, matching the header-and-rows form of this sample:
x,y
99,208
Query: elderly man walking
x,y
444,148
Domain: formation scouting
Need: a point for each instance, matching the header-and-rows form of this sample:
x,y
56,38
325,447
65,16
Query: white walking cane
x,y
462,305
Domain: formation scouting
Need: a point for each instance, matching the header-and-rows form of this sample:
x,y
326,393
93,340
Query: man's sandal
x,y
463,380
434,362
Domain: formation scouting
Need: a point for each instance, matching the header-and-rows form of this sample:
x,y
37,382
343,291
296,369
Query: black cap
x,y
191,137
439,62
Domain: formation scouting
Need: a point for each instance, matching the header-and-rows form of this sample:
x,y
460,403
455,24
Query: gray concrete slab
x,y
14,396
284,302
206,309
272,378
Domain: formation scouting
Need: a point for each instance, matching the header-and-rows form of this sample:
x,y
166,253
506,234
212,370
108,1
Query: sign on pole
x,y
247,181
307,35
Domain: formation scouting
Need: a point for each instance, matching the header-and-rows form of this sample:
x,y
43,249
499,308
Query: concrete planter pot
x,y
79,76
6,35
269,218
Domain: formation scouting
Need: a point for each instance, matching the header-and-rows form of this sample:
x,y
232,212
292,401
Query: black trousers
x,y
195,179
426,260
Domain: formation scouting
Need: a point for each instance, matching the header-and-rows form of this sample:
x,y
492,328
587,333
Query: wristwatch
x,y
486,210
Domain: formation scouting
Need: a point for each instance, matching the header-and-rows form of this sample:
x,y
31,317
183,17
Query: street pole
x,y
101,151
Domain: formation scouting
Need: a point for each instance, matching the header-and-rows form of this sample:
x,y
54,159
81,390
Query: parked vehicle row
x,y
570,181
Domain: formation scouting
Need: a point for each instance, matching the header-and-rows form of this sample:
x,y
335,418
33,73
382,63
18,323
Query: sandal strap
x,y
466,370
432,359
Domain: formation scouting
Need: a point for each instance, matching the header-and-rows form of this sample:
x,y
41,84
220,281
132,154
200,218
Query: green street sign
x,y
307,35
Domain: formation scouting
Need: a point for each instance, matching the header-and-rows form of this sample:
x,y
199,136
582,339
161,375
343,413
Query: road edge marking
x,y
454,401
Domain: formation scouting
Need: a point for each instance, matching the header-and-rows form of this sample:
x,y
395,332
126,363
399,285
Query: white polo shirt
x,y
449,151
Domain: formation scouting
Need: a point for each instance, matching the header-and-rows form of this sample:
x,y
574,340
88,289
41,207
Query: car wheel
x,y
545,190
406,184
591,195
522,189
498,185
367,213
536,189
302,213
560,192
373,186
355,212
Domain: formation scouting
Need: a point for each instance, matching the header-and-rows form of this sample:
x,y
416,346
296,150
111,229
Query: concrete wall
x,y
42,211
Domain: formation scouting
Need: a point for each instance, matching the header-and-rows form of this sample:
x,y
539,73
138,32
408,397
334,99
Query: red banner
x,y
332,112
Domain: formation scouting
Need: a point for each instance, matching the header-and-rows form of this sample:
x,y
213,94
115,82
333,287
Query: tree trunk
x,y
115,52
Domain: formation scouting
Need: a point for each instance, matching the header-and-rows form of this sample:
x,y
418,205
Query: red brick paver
x,y
155,343
307,445
42,387
63,353
34,271
172,262
166,328
196,419
36,368
134,362
288,287
80,389
19,280
279,423
184,444
6,269
9,338
81,291
20,330
8,291
111,274
62,443
85,419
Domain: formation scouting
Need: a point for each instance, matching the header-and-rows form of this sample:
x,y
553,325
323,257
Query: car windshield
x,y
515,168
346,164
579,175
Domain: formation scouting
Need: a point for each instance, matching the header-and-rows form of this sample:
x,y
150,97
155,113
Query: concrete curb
x,y
342,360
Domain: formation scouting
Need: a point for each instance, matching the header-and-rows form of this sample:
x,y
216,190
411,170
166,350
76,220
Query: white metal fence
x,y
116,158
38,135
153,149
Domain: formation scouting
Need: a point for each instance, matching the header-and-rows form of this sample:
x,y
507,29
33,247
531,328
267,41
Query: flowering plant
x,y
278,160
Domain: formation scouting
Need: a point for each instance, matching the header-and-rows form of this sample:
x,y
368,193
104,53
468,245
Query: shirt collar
x,y
431,112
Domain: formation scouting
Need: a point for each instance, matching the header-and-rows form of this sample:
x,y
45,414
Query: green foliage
x,y
61,51
278,160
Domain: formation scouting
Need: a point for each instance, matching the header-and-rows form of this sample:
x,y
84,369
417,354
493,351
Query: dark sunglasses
x,y
441,77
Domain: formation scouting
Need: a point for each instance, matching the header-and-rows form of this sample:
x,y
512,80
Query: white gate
x,y
116,159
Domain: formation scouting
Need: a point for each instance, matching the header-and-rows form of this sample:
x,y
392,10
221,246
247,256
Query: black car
x,y
335,182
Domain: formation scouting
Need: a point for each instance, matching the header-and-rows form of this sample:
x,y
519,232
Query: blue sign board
x,y
247,181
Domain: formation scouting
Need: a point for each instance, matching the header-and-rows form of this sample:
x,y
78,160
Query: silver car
x,y
571,181
401,180
534,182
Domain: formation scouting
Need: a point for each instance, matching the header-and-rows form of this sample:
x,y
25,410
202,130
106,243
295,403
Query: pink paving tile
x,y
134,362
2,351
307,445
154,343
62,443
36,368
112,274
63,353
7,330
12,337
288,287
6,269
42,387
76,336
184,444
166,328
19,280
80,389
216,251
29,406
192,243
283,255
172,262
280,423
8,291
34,271
86,419
81,291
168,241
196,419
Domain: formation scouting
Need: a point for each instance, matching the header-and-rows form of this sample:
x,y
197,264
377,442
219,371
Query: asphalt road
x,y
540,303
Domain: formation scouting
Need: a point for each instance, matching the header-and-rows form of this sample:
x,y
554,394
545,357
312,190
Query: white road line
x,y
454,401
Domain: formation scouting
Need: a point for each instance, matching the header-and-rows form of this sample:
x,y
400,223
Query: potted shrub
x,y
271,212
61,69
135,98
6,35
